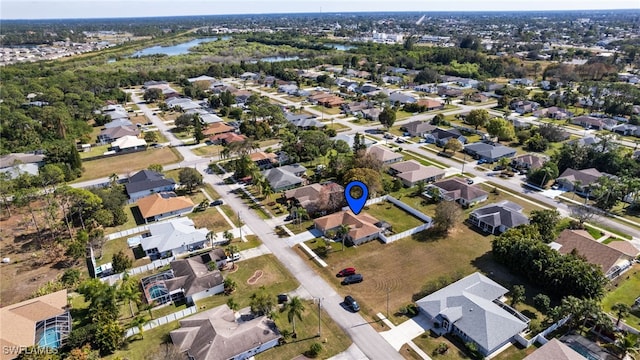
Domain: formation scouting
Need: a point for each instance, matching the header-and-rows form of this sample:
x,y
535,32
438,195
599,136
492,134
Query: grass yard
x,y
409,197
210,219
399,219
337,127
326,110
276,279
111,247
128,163
457,156
131,221
252,242
410,155
503,195
401,115
334,340
625,290
394,266
233,216
94,151
154,341
209,190
267,143
210,150
300,228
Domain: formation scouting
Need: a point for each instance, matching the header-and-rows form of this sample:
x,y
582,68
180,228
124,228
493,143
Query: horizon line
x,y
323,13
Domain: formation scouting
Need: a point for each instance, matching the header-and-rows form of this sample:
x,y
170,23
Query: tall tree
x,y
446,217
295,309
545,221
477,118
621,310
517,295
387,117
190,178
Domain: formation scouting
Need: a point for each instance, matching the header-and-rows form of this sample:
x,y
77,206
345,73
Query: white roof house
x,y
173,234
128,142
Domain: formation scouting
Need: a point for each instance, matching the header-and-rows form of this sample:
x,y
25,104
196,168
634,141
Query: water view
x,y
341,47
179,49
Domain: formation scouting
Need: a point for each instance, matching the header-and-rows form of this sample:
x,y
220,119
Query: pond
x,y
179,49
341,47
279,58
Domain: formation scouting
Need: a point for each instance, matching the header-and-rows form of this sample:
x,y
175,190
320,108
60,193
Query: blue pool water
x,y
157,291
50,338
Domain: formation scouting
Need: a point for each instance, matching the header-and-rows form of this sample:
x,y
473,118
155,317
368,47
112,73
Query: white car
x,y
235,257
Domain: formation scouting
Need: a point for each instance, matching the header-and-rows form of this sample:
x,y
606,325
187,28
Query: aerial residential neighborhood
x,y
176,186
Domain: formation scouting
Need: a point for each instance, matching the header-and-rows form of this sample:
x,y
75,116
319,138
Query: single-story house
x,y
450,92
288,88
431,104
356,106
412,172
184,103
147,182
194,280
521,81
367,89
219,334
218,128
263,159
478,97
118,122
129,143
524,106
173,237
249,76
206,78
15,164
627,129
490,152
428,88
591,122
419,128
362,227
384,154
456,189
285,177
556,350
528,161
205,116
586,141
441,136
227,138
579,180
611,261
372,114
110,135
471,309
163,205
398,97
498,217
317,197
553,112
120,114
44,321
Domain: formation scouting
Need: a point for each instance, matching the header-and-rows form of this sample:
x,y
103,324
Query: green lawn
x,y
252,242
503,195
232,215
326,110
210,219
95,151
153,341
301,227
399,219
209,150
409,155
337,127
133,162
625,290
131,221
111,247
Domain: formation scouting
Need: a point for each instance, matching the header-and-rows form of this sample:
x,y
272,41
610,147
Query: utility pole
x,y
240,223
319,323
388,291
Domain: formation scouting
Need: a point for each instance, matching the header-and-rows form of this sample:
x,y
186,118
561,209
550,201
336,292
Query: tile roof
x,y
162,203
217,128
261,155
228,138
216,335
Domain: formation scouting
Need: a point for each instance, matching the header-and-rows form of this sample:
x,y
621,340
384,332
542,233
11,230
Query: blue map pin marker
x,y
356,204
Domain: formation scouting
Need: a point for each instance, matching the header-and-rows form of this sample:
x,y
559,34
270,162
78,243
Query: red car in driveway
x,y
346,272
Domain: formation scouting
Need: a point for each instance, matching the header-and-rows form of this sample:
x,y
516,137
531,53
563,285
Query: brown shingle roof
x,y
624,247
360,225
162,203
217,128
193,276
383,154
595,252
457,188
18,321
555,350
585,176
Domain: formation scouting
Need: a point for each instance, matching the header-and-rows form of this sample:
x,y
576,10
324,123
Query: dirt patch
x,y
255,277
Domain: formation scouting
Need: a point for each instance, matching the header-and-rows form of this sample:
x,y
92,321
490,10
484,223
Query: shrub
x,y
314,350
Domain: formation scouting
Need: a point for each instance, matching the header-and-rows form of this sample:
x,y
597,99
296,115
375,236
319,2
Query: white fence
x,y
541,337
124,233
111,279
404,234
161,321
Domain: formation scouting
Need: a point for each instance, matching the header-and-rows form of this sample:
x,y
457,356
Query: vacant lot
x,y
403,267
210,219
399,219
120,164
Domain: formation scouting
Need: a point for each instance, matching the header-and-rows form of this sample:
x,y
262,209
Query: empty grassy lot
x,y
326,110
133,162
405,266
210,219
399,219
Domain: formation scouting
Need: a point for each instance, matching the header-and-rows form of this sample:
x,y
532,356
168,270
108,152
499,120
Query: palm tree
x,y
229,287
232,250
630,343
621,310
302,214
294,309
129,292
232,304
139,321
211,235
113,179
342,231
267,191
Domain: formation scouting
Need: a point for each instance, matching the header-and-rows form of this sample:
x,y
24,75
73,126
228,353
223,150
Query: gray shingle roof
x,y
504,213
279,178
193,276
147,180
489,150
468,303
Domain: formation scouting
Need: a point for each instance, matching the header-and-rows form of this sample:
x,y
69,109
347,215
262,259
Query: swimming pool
x,y
157,290
50,338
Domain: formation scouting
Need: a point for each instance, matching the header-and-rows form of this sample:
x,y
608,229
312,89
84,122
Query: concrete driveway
x,y
407,331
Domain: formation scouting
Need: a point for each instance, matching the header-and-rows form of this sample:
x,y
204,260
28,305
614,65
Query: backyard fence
x,y
128,232
111,279
404,234
541,337
161,321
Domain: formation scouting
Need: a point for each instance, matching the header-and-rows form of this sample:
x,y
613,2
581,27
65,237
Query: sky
x,y
59,9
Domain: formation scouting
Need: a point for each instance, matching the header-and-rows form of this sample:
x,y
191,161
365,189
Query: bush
x,y
314,350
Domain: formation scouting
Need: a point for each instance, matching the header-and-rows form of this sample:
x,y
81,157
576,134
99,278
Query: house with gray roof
x,y
498,217
579,180
456,189
285,177
19,163
384,154
441,136
556,350
627,129
471,310
419,128
398,97
193,279
110,135
489,152
173,237
124,121
221,334
147,182
411,172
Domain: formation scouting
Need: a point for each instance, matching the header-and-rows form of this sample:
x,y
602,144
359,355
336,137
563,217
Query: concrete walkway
x,y
406,332
353,352
304,236
254,252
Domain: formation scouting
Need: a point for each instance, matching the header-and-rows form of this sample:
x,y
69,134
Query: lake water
x,y
179,49
340,47
279,58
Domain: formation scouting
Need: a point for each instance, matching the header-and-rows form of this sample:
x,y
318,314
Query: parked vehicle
x,y
283,298
235,257
352,279
351,302
216,202
469,181
346,272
